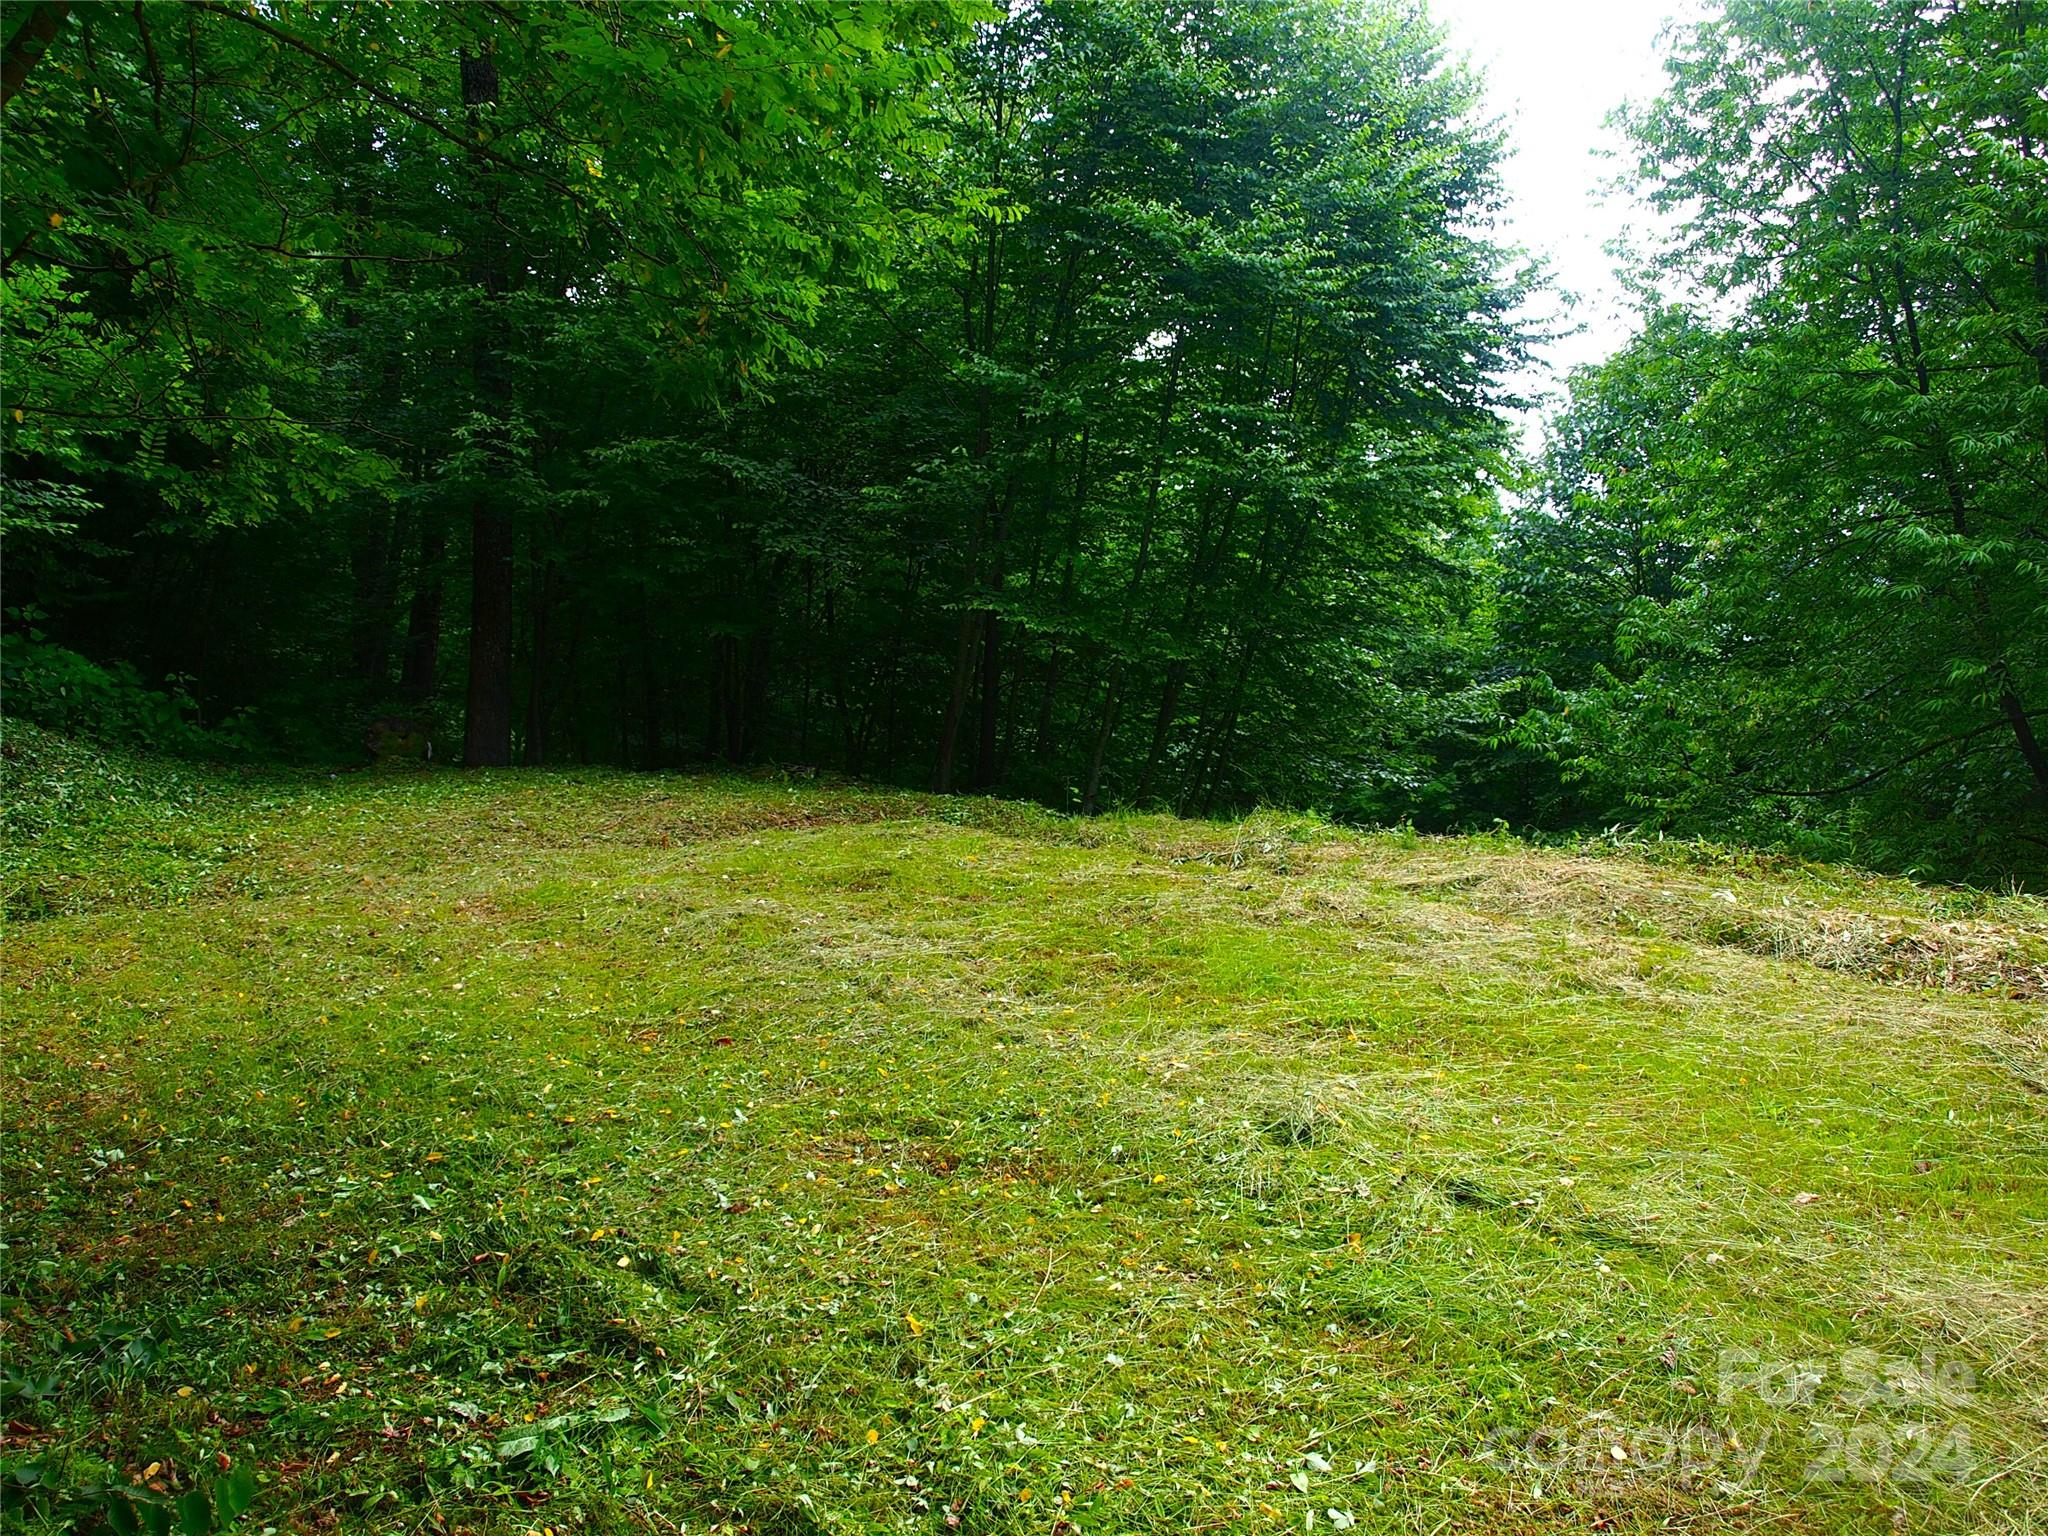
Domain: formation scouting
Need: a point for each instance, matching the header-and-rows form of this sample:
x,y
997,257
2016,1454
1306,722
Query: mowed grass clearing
x,y
592,1152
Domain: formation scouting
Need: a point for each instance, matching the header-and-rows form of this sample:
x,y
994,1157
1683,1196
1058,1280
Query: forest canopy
x,y
1109,402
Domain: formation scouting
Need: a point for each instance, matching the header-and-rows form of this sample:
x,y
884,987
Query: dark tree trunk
x,y
732,693
623,717
1135,586
714,697
892,709
370,572
1091,795
2023,733
956,703
1262,589
653,731
1042,744
1226,732
991,700
804,679
374,547
842,697
573,708
1041,740
754,695
487,735
991,643
1162,725
423,619
487,738
1013,715
545,596
1206,555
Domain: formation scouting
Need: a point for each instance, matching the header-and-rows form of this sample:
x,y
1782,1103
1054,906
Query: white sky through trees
x,y
1554,71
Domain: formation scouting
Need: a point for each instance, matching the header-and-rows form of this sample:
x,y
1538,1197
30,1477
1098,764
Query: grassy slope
x,y
586,1151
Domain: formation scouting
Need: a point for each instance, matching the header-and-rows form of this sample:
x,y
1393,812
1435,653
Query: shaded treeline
x,y
1098,400
1102,417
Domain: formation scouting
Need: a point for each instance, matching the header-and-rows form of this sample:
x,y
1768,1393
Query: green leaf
x,y
235,1493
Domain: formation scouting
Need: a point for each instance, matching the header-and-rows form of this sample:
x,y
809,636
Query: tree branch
x,y
1875,774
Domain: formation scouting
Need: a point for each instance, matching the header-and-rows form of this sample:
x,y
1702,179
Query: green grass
x,y
589,1152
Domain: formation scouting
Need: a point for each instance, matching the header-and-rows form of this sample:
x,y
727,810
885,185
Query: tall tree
x,y
1854,456
186,229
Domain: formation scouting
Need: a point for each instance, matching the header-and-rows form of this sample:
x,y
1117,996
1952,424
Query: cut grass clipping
x,y
583,1152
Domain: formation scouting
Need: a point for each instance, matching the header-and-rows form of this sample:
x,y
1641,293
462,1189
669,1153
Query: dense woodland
x,y
1103,401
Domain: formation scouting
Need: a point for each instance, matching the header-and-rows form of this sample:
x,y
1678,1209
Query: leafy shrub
x,y
213,1505
56,687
